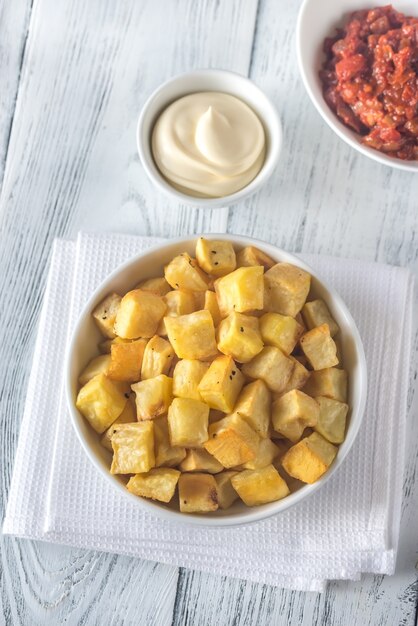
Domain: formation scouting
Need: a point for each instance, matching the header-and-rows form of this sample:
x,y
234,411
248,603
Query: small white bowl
x,y
317,20
83,347
209,80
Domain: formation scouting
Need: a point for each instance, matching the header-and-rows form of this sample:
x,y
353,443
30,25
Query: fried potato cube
x,y
127,416
241,290
157,484
221,384
293,412
157,285
331,420
126,360
105,314
199,460
211,304
239,336
272,366
157,359
106,346
232,441
281,331
215,257
330,382
256,487
179,302
153,396
183,272
316,313
319,347
139,314
188,422
186,378
100,401
267,452
309,459
192,336
197,493
226,493
250,255
133,448
286,289
298,377
165,453
254,406
98,365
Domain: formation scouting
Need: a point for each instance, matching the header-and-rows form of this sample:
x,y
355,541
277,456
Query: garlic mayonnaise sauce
x,y
208,144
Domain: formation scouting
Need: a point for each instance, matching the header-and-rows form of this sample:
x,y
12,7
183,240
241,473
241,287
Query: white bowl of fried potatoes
x,y
216,380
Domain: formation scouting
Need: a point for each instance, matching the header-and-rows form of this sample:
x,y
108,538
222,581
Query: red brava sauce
x,y
370,79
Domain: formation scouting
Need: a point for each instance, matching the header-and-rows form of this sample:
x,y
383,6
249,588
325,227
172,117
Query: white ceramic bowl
x,y
83,346
209,80
317,20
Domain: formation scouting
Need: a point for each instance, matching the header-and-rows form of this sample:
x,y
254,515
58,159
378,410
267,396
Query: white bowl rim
x,y
332,120
257,513
273,123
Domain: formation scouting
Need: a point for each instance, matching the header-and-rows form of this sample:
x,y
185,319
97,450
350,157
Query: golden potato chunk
x,y
139,314
126,360
256,487
158,285
232,441
100,401
211,304
183,272
254,406
299,375
293,412
286,289
133,448
280,331
98,365
316,313
186,378
331,420
157,359
250,255
215,257
105,314
192,336
272,366
199,460
153,396
197,493
319,348
188,422
239,336
221,384
330,382
241,290
309,459
127,416
179,302
157,484
266,453
226,493
106,346
165,453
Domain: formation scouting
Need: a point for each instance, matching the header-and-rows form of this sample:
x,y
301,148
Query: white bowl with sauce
x,y
83,346
203,82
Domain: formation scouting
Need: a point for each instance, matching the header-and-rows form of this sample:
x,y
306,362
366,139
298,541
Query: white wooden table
x,y
74,75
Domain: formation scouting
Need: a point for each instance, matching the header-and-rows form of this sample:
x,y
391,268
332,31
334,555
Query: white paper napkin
x,y
349,526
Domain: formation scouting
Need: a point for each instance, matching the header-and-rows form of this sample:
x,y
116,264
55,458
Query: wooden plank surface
x,y
72,164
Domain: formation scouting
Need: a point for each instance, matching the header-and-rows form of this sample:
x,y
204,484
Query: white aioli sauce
x,y
208,144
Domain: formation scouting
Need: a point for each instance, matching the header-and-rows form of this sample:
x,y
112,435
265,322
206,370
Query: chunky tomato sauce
x,y
370,79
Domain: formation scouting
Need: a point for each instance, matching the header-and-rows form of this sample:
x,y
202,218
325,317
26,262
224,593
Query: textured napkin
x,y
349,526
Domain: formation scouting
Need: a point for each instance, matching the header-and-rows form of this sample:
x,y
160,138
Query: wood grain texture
x,y
72,164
